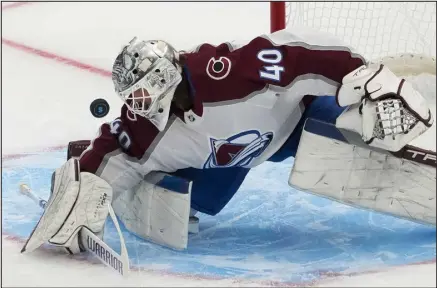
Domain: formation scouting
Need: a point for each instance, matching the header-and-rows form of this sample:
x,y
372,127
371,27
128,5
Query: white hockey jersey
x,y
246,104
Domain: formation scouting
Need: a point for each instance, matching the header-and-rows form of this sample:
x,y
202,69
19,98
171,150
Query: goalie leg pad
x,y
77,200
328,166
158,210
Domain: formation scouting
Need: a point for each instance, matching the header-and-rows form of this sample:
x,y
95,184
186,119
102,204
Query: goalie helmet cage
x,y
375,29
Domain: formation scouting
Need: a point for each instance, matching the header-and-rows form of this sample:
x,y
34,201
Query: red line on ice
x,y
49,55
13,156
56,57
15,5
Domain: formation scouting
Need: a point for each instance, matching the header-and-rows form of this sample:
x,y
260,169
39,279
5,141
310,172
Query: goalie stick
x,y
91,242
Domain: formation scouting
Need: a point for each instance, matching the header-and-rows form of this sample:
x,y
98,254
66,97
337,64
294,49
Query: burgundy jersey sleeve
x,y
131,136
280,61
230,71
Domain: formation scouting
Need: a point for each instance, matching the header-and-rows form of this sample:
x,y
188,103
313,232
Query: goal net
x,y
375,29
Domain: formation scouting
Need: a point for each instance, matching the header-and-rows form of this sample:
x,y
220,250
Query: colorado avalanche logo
x,y
238,150
218,69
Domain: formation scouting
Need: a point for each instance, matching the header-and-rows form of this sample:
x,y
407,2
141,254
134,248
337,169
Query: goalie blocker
x,y
78,199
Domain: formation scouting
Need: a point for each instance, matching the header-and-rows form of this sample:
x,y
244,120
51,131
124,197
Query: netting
x,y
375,29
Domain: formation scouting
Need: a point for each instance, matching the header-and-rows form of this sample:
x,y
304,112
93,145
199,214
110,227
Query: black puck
x,y
99,108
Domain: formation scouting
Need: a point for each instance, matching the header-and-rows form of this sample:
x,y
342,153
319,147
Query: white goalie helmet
x,y
145,76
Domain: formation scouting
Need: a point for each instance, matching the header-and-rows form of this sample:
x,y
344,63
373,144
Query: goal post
x,y
277,16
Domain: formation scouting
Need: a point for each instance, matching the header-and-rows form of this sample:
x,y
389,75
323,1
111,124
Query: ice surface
x,y
268,235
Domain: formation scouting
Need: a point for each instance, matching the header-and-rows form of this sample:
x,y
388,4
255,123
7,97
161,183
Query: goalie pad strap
x,y
75,148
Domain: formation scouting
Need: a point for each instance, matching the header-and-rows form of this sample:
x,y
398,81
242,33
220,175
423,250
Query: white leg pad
x,y
365,178
155,213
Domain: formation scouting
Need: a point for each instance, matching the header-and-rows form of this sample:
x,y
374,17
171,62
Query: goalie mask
x,y
145,76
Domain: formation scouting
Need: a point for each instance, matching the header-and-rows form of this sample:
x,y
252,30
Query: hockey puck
x,y
99,108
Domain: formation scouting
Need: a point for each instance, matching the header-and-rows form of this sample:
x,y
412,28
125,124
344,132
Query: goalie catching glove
x,y
78,199
386,111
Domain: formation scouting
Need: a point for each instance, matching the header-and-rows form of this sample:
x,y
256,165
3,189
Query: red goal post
x,y
277,16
